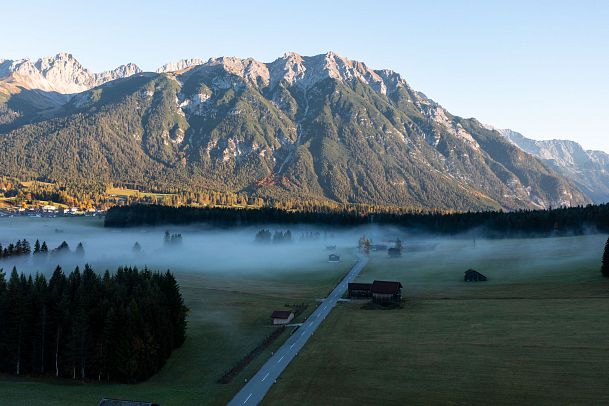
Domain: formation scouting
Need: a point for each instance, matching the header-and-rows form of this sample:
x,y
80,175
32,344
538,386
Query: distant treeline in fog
x,y
84,326
572,220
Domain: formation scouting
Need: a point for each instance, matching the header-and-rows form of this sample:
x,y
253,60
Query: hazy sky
x,y
538,67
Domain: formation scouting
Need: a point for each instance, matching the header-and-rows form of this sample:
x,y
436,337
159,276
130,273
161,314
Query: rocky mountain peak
x,y
61,73
180,65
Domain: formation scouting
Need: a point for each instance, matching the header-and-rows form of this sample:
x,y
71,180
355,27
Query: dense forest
x,y
119,327
572,220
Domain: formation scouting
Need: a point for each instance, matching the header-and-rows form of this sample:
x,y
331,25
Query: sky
x,y
537,67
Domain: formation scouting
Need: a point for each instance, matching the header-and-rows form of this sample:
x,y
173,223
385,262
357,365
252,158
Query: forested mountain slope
x,y
321,127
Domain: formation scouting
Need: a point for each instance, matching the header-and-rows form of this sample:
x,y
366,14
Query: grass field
x,y
535,333
229,316
121,191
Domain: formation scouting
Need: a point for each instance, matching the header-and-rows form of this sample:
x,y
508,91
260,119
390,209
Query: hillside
x,y
321,128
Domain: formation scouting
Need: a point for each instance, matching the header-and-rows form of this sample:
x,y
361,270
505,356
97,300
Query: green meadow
x,y
534,333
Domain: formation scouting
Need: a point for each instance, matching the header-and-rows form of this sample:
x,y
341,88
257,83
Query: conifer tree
x,y
605,264
80,250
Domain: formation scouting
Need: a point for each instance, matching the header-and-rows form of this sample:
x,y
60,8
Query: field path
x,y
254,390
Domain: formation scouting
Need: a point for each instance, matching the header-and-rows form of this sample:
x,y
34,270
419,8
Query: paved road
x,y
255,389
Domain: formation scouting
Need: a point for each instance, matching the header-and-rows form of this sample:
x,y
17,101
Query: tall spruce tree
x,y
605,264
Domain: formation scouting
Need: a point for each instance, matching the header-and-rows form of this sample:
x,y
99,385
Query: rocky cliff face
x,y
315,127
61,73
588,169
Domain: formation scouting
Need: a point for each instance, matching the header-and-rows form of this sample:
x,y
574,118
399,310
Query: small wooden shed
x,y
359,289
333,258
472,275
386,291
282,316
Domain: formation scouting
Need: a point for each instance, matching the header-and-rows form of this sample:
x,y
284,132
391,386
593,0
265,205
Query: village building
x,y
386,291
356,290
473,276
282,316
333,258
47,208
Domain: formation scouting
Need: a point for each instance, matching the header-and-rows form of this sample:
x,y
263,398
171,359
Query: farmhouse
x,y
473,276
386,291
282,316
333,258
359,289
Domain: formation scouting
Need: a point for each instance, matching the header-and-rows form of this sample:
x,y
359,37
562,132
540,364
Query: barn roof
x,y
386,287
281,314
469,271
359,286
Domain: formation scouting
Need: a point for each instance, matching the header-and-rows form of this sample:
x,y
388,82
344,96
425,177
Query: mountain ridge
x,y
589,169
307,127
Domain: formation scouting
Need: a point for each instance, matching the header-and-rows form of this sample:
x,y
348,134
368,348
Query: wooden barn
x,y
282,316
359,290
333,258
473,276
386,291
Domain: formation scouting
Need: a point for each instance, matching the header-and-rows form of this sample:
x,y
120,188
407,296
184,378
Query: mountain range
x,y
301,127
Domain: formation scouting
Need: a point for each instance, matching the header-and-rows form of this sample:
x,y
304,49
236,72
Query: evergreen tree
x,y
121,327
605,263
44,248
137,248
37,247
80,250
3,322
16,297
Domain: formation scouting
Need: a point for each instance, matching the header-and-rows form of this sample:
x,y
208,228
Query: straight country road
x,y
256,388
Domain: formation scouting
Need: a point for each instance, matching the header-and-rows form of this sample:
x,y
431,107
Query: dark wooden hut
x,y
473,276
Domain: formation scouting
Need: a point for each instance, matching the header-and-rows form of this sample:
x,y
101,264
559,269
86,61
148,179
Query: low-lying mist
x,y
202,249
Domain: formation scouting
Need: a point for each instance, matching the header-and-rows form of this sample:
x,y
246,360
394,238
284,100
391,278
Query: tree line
x,y
266,237
560,221
119,327
23,248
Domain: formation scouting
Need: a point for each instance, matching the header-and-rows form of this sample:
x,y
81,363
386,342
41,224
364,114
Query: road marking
x,y
248,398
280,359
265,376
292,346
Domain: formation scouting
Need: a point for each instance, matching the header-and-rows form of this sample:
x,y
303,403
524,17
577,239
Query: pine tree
x,y
80,250
3,322
44,248
16,302
605,264
37,247
137,248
